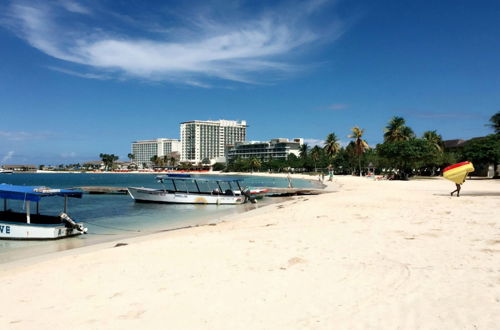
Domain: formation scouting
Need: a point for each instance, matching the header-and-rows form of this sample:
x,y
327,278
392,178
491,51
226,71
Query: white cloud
x,y
74,7
314,142
71,154
207,49
318,142
8,156
338,106
81,75
24,136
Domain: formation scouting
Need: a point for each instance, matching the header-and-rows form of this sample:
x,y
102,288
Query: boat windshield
x,y
203,186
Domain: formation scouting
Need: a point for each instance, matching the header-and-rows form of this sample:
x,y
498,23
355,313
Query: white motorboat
x,y
35,226
190,190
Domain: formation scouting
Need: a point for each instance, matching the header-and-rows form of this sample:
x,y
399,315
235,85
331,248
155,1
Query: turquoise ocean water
x,y
112,217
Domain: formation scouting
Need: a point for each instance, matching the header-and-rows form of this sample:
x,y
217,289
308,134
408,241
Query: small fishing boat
x,y
258,193
35,226
191,190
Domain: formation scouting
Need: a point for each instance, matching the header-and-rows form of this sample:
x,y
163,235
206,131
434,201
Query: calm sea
x,y
113,217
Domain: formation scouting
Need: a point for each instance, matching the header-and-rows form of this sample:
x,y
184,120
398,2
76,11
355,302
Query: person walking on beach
x,y
459,186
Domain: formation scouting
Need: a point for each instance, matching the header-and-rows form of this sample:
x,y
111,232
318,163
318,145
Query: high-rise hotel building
x,y
208,139
145,149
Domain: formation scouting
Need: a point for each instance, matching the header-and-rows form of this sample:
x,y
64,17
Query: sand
x,y
374,254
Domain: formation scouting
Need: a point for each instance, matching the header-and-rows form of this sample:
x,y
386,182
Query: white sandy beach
x,y
374,254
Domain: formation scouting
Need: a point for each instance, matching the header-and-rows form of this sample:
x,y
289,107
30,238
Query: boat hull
x,y
18,231
162,196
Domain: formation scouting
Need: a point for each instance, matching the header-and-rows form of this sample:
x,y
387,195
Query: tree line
x,y
402,153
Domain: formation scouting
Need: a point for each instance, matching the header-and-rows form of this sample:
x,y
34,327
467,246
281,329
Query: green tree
x,y
108,160
332,146
155,160
435,139
219,167
495,122
303,151
406,155
315,156
360,145
485,150
255,164
186,166
396,130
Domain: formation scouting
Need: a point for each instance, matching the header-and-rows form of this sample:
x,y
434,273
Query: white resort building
x,y
145,149
203,140
274,149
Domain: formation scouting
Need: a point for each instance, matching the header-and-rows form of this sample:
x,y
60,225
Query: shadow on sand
x,y
473,194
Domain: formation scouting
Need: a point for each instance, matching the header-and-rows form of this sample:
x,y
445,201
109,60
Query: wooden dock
x,y
103,190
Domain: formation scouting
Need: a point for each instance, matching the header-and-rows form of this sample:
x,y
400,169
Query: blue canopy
x,y
34,194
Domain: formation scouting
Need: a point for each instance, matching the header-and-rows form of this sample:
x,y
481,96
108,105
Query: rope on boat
x,y
112,227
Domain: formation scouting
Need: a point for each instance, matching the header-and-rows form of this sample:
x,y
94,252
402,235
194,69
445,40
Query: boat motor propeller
x,y
70,223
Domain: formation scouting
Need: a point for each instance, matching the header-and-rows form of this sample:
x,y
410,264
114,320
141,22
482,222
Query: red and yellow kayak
x,y
458,172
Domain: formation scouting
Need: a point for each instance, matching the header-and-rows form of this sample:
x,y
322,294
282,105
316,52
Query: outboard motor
x,y
249,196
72,224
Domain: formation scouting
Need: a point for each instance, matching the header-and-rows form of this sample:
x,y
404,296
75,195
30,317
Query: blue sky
x,y
79,78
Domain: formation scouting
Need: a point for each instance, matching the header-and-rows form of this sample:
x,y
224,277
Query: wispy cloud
x,y
8,156
200,49
87,75
314,142
24,136
70,154
338,106
437,115
318,142
74,7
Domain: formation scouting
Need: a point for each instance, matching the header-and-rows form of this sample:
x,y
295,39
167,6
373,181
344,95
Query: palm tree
x,y
108,160
255,163
303,151
495,122
332,146
173,161
434,138
359,144
131,157
397,130
315,155
157,161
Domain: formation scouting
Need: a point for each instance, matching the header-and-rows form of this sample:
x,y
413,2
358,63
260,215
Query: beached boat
x,y
28,226
258,193
190,190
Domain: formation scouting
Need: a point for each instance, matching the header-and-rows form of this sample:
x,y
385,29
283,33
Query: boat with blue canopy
x,y
30,225
193,190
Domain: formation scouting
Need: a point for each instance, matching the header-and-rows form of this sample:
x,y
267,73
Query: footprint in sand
x,y
135,314
295,261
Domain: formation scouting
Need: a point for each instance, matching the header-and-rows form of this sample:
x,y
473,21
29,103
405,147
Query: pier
x,y
103,190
